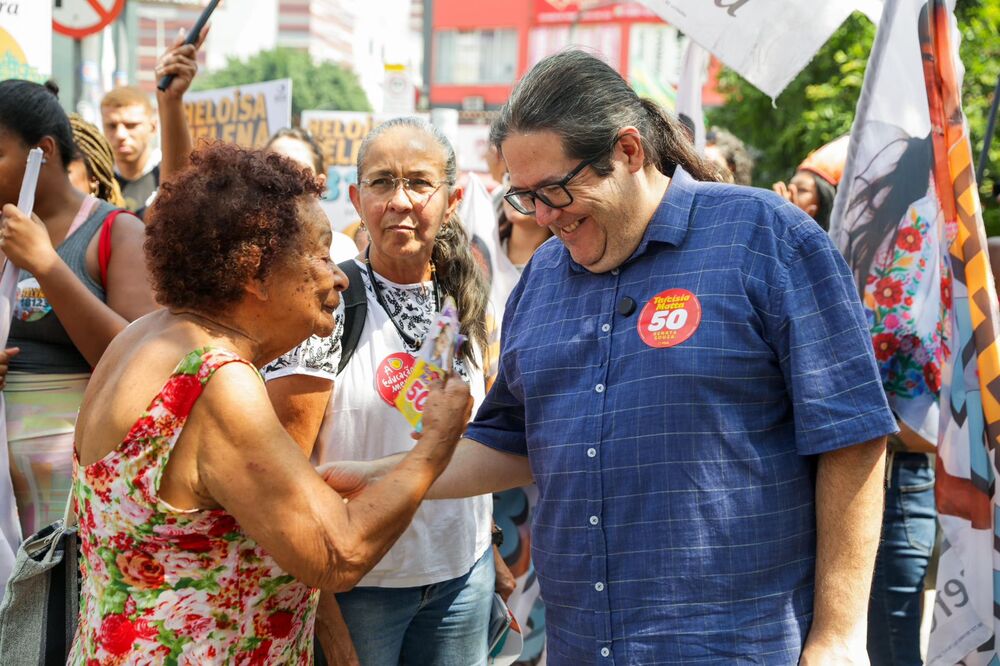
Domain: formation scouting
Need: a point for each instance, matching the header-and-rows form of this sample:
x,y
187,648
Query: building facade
x,y
480,49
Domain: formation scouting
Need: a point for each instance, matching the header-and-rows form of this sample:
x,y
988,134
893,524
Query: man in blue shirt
x,y
687,375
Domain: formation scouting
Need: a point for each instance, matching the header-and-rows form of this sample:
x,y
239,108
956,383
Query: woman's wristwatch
x,y
497,536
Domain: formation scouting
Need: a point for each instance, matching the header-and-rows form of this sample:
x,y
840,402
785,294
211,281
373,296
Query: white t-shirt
x,y
446,537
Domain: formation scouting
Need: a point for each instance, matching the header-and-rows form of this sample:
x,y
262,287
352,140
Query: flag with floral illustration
x,y
908,220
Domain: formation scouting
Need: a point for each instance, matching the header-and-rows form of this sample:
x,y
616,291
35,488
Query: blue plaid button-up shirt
x,y
676,514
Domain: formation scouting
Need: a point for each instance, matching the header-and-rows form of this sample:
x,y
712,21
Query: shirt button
x,y
606,328
615,271
599,587
591,452
605,652
599,388
594,520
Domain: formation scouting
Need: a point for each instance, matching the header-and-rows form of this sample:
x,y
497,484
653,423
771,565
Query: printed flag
x,y
907,219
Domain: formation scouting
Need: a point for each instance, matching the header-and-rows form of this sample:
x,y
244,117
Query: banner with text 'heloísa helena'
x,y
245,115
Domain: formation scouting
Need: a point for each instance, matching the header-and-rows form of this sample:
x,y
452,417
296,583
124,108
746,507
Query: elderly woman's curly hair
x,y
225,220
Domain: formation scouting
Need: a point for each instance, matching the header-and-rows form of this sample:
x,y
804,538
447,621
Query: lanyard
x,y
407,339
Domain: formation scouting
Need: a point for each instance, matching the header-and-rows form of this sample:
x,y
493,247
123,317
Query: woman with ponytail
x,y
428,600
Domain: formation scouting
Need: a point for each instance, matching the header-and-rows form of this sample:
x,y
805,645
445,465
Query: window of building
x,y
475,57
603,41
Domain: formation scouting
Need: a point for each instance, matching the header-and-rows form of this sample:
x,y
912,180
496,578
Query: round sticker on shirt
x,y
669,318
30,303
391,375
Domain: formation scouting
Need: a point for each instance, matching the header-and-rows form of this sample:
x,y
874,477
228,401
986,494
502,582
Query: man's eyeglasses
x,y
417,190
555,195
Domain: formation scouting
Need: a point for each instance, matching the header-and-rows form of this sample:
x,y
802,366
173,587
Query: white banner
x,y
244,115
26,40
767,41
689,92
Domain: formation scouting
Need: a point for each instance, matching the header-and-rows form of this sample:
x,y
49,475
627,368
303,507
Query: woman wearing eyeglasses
x,y
428,600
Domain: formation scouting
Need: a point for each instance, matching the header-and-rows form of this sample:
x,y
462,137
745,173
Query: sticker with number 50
x,y
669,318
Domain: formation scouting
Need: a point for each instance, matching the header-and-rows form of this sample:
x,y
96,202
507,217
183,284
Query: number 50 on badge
x,y
669,318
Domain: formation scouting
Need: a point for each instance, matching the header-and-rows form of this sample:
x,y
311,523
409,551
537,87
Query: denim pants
x,y
908,534
444,624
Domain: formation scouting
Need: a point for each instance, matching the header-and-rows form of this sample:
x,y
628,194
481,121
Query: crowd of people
x,y
684,428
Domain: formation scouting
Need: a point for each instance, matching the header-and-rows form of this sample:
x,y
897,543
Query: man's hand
x,y
25,240
350,477
817,652
849,507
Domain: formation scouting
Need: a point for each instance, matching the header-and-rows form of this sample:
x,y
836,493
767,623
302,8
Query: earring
x,y
363,227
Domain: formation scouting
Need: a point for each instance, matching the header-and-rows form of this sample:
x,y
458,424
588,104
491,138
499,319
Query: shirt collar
x,y
669,223
155,157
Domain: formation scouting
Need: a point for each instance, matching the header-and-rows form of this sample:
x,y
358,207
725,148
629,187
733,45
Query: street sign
x,y
80,18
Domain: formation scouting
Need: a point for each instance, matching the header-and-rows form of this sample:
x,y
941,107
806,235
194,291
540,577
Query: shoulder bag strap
x,y
355,311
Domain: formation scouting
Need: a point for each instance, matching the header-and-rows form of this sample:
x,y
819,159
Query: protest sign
x,y
339,135
244,115
25,40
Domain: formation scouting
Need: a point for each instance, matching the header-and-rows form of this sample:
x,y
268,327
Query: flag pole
x,y
988,139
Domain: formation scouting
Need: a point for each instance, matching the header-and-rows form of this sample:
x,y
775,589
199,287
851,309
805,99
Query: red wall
x,y
522,16
466,15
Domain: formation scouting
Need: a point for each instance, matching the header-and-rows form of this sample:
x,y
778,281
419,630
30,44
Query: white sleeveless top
x,y
446,537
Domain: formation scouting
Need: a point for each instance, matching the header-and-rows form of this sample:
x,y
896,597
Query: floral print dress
x,y
169,586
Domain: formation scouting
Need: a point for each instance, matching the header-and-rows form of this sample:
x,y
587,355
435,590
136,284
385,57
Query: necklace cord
x,y
409,340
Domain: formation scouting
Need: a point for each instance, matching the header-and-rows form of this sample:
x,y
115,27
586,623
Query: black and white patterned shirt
x,y
411,306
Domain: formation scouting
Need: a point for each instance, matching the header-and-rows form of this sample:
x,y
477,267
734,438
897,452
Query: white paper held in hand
x,y
26,200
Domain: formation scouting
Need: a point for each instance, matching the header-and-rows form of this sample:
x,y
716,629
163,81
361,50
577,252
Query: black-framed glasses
x,y
555,195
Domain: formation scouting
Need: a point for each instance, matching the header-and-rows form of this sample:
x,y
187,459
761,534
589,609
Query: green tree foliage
x,y
314,86
818,106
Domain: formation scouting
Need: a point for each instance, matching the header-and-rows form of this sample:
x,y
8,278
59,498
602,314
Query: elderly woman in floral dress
x,y
205,530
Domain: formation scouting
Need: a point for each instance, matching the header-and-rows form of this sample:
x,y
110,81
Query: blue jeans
x,y
908,534
443,624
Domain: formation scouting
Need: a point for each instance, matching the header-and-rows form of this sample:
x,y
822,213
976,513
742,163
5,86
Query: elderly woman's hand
x,y
446,413
26,242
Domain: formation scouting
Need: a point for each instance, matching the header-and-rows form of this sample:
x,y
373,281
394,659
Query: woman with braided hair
x,y
92,171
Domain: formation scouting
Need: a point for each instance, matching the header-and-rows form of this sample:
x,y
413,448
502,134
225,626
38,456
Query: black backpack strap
x,y
355,311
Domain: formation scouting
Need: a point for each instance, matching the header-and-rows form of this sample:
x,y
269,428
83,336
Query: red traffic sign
x,y
80,18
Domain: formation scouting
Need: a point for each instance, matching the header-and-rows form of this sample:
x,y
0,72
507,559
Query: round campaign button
x,y
391,375
669,318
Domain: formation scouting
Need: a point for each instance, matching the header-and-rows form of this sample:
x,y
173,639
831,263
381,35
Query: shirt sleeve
x,y
825,349
500,423
315,356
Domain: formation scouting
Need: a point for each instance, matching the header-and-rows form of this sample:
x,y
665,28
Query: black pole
x,y
991,124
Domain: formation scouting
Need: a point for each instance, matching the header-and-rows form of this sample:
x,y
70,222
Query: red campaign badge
x,y
669,318
392,374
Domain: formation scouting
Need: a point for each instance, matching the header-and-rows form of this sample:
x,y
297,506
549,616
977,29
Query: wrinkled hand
x,y
505,583
5,357
25,241
447,409
181,61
